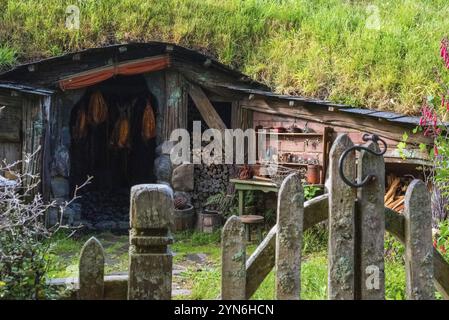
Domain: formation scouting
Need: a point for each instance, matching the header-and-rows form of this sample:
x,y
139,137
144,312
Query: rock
x,y
182,177
197,257
52,216
61,163
105,225
60,187
123,225
163,168
165,148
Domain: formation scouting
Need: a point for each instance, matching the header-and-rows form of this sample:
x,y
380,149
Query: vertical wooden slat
x,y
371,226
91,271
290,216
341,223
418,242
233,260
175,113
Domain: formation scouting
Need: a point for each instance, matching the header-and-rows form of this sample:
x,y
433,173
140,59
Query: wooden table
x,y
254,185
257,185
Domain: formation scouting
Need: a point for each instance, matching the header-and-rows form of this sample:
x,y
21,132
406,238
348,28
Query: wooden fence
x,y
357,224
357,219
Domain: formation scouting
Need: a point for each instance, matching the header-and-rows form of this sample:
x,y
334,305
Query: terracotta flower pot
x,y
313,174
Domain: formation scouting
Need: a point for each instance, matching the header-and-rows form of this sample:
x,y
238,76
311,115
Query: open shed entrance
x,y
111,142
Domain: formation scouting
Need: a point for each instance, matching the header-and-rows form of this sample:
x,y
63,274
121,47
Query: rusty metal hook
x,y
366,137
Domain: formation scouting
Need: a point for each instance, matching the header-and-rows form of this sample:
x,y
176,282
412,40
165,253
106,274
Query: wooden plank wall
x,y
10,127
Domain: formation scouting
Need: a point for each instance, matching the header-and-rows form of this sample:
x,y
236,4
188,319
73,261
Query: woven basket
x,y
281,174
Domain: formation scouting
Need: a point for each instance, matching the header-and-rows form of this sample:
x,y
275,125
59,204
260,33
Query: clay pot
x,y
313,174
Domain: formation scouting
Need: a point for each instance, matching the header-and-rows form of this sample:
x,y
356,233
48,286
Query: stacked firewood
x,y
210,180
395,192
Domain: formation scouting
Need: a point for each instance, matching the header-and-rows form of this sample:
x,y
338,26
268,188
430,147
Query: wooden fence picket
x,y
370,227
341,223
91,271
150,259
233,260
290,218
418,242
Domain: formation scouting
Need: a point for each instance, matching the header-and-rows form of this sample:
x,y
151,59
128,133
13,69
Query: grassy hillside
x,y
329,49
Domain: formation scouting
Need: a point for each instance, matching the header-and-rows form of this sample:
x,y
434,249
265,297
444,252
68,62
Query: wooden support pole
x,y
341,223
233,260
205,107
290,215
370,228
150,260
91,271
418,242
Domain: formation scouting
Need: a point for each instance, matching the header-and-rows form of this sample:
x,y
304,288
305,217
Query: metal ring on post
x,y
366,137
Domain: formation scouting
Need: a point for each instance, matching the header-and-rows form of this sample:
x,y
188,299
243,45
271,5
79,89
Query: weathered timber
x,y
175,112
370,228
150,260
322,115
290,217
418,242
261,262
205,107
233,271
341,223
91,271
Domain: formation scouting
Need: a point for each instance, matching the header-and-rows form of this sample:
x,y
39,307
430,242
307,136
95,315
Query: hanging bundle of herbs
x,y
98,110
148,122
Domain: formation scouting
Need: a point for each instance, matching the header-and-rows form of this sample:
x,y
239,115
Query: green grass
x,y
204,280
320,48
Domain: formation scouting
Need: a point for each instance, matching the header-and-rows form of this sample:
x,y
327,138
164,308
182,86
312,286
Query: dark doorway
x,y
115,152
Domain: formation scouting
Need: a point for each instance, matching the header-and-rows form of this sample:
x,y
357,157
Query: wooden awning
x,y
94,76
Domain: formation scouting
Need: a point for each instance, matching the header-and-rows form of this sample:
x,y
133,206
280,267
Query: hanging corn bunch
x,y
98,110
148,122
80,129
121,133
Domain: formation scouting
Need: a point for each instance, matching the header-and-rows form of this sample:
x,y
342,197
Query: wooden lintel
x,y
205,107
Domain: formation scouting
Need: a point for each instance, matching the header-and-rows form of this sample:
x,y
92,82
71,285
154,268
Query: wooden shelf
x,y
296,134
288,164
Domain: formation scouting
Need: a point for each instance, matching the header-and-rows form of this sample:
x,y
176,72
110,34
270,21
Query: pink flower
x,y
435,150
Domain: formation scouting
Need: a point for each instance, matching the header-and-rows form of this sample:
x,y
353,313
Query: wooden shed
x,y
45,103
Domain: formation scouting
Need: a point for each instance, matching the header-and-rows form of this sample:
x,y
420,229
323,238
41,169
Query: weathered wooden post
x,y
290,216
91,271
418,242
370,225
150,260
233,260
341,222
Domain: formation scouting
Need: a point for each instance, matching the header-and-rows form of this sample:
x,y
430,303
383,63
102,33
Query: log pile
x,y
210,180
395,192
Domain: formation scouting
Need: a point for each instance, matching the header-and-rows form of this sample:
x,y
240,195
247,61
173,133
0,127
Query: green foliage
x,y
223,202
441,241
8,57
315,239
310,192
319,48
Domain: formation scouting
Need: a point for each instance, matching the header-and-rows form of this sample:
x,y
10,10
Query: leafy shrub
x,y
24,237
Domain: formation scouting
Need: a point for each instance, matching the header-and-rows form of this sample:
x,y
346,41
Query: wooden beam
x,y
206,108
261,262
334,118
